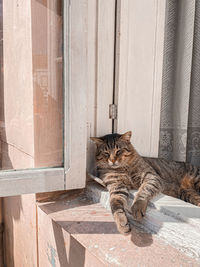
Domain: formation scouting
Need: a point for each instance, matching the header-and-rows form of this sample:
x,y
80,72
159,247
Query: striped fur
x,y
121,168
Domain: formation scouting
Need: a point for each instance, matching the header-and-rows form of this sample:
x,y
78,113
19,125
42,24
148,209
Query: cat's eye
x,y
126,150
118,152
106,154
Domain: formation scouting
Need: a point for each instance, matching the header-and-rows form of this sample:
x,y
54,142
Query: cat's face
x,y
113,150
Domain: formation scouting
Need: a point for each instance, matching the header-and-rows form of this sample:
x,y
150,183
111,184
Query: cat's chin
x,y
115,166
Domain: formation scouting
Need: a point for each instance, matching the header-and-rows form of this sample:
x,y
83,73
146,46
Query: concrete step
x,y
76,232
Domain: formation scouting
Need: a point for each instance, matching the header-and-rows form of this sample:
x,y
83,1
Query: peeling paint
x,y
52,256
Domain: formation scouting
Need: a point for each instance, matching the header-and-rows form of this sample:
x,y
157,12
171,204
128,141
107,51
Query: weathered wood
x,y
76,67
101,39
19,182
140,38
91,91
105,64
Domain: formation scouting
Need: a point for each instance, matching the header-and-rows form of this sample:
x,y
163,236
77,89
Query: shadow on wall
x,y
69,252
75,254
11,215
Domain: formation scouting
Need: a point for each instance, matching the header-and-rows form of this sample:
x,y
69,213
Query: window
x,y
43,96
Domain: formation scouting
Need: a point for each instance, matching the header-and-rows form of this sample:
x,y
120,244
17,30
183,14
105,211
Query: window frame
x,y
73,174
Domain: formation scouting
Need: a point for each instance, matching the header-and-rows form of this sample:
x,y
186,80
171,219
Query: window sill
x,y
173,220
77,229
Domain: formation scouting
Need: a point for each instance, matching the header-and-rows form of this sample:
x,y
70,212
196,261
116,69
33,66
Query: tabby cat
x,y
121,168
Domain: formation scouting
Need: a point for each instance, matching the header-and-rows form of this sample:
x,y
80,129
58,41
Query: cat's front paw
x,y
139,209
122,223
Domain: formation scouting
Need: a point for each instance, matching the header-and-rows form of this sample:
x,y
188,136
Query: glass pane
x,y
31,95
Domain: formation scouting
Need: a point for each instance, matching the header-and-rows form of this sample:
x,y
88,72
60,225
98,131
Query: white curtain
x,y
180,106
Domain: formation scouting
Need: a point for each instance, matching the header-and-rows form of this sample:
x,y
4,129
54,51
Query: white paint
x,y
19,182
140,38
76,67
101,21
105,64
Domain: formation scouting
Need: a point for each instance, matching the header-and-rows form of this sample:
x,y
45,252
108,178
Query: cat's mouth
x,y
114,166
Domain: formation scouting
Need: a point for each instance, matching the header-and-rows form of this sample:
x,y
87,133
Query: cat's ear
x,y
126,136
96,140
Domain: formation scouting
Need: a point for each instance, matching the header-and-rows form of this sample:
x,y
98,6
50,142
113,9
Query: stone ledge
x,y
175,221
77,232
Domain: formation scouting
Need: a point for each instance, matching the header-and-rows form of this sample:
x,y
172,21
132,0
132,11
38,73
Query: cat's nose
x,y
110,162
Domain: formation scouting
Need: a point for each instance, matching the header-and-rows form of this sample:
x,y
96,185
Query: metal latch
x,y
113,111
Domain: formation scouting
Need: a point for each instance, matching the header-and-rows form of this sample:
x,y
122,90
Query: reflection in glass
x,y
31,108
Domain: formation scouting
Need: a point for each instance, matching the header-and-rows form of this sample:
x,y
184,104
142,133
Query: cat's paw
x,y
122,223
139,209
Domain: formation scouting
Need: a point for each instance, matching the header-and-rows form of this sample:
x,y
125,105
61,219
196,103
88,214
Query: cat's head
x,y
113,150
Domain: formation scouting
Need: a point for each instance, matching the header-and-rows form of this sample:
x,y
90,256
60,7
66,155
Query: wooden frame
x,y
17,182
73,174
101,27
105,64
75,129
139,59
